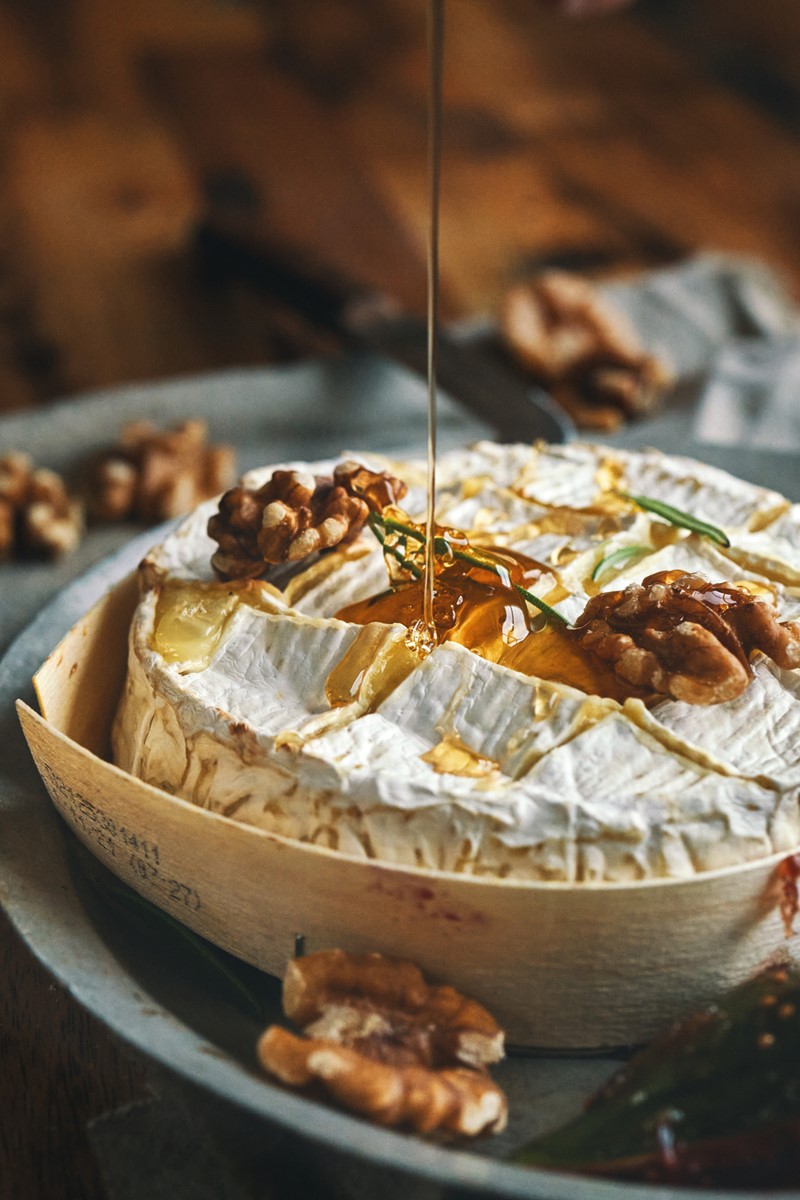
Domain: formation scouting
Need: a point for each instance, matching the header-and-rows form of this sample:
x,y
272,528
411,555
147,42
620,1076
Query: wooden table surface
x,y
605,146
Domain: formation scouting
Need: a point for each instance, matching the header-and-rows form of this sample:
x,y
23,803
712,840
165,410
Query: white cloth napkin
x,y
731,325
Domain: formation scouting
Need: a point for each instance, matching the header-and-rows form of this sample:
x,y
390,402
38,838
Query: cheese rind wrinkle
x,y
296,726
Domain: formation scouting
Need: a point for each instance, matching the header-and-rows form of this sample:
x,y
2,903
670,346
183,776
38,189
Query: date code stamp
x,y
126,850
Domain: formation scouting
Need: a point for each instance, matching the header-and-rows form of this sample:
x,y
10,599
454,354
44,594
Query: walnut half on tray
x,y
152,474
38,518
382,1042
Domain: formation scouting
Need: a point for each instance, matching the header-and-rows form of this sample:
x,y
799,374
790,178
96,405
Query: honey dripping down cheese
x,y
484,612
451,600
473,606
191,617
423,632
463,603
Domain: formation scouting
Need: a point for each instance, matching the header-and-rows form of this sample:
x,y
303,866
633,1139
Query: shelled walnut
x,y
295,514
153,474
382,1042
577,345
681,636
38,519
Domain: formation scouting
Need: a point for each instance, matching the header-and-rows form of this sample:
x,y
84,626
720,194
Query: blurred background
x,y
126,131
141,142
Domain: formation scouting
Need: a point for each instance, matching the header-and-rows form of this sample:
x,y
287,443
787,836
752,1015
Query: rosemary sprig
x,y
380,525
551,613
379,529
677,516
617,557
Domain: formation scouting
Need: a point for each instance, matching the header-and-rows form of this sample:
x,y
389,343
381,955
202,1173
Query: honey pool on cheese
x,y
259,703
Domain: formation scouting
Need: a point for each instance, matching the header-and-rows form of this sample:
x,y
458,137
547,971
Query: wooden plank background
x,y
610,145
613,144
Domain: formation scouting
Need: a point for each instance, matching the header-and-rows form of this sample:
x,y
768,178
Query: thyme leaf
x,y
381,525
677,516
617,557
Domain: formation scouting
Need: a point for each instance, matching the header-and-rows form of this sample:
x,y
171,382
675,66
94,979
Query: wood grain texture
x,y
60,1069
613,144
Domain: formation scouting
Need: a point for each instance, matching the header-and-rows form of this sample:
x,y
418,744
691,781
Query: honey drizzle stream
x,y
422,635
479,608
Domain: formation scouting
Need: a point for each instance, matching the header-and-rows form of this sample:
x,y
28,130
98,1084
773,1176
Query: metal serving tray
x,y
52,890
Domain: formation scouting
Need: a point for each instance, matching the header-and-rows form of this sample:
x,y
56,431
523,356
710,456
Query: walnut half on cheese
x,y
255,700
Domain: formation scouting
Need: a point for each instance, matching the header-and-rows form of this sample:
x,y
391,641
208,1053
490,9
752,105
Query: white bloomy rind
x,y
581,789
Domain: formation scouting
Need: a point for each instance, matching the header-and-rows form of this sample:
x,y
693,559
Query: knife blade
x,y
359,318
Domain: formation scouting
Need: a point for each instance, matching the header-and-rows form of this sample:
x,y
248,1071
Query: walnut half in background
x,y
38,519
576,344
152,475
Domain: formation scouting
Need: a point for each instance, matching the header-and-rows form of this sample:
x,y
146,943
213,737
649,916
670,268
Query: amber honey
x,y
191,617
484,612
451,756
554,654
471,605
372,668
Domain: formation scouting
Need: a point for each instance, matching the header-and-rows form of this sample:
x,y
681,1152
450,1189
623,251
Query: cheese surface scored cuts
x,y
261,704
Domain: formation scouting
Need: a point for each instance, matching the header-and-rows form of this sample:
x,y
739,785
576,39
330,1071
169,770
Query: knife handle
x,y
325,298
358,317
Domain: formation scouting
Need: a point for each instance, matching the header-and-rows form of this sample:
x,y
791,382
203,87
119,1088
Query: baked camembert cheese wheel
x,y
614,696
